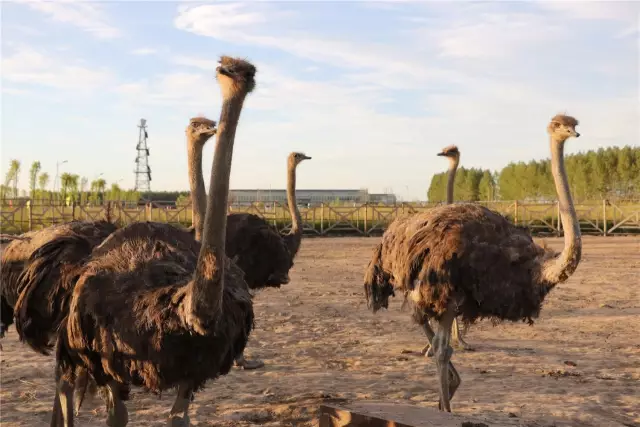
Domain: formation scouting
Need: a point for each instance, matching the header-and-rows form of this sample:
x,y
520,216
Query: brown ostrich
x,y
257,248
33,267
155,308
464,259
265,255
452,153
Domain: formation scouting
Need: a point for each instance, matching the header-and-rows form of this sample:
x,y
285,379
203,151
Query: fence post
x,y
73,210
604,216
322,219
30,213
366,215
515,215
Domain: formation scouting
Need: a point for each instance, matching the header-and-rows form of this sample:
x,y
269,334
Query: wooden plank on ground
x,y
393,415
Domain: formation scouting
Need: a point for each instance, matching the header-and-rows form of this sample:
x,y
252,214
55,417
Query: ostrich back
x,y
126,318
258,249
461,252
27,268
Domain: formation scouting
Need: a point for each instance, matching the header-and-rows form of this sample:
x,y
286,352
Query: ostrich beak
x,y
440,154
306,157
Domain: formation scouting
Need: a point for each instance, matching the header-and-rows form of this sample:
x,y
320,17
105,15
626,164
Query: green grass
x,y
329,219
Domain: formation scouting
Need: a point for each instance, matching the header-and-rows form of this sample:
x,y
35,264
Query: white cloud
x,y
219,20
493,35
144,51
88,16
239,23
28,66
625,11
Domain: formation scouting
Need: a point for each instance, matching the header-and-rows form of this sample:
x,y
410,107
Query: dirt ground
x,y
579,365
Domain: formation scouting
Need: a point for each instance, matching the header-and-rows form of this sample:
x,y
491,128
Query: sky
x,y
370,90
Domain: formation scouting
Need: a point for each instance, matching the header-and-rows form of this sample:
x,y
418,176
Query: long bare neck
x,y
196,185
559,269
453,167
295,235
208,281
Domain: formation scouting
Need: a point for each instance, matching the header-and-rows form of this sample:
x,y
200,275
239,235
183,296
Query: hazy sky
x,y
372,91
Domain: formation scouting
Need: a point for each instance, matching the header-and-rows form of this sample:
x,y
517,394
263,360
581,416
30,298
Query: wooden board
x,y
393,415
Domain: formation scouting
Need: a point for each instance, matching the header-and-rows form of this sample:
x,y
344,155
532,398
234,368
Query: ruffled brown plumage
x,y
125,320
465,253
258,249
36,276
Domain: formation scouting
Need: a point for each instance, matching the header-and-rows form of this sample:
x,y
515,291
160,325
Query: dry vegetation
x,y
578,366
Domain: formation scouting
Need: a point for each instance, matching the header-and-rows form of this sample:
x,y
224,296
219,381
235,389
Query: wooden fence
x,y
596,217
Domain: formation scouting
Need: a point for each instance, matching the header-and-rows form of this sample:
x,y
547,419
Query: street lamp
x,y
55,180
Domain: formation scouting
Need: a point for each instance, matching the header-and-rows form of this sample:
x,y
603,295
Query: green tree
x,y
114,192
98,187
486,186
65,184
33,176
11,179
83,187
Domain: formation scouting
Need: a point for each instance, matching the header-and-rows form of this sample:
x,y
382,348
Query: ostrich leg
x,y
63,406
56,416
181,405
457,336
454,377
80,389
117,415
457,339
442,353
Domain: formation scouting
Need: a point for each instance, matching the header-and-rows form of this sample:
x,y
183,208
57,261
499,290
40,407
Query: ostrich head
x,y
451,152
296,158
200,129
234,74
562,127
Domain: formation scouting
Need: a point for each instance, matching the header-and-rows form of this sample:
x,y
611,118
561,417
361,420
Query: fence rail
x,y
599,217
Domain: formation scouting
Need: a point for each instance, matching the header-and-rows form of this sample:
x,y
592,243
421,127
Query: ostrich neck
x,y
295,236
208,282
453,167
559,269
196,185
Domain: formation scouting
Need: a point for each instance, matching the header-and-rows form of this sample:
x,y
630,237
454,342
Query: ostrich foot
x,y
178,421
178,417
241,362
456,337
427,351
461,344
117,415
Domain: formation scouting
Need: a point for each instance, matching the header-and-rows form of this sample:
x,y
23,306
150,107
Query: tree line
x,y
606,173
73,188
611,173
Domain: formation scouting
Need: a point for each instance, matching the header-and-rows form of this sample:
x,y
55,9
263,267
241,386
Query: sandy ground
x,y
579,365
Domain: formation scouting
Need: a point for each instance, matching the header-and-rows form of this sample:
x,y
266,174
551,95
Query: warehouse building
x,y
309,197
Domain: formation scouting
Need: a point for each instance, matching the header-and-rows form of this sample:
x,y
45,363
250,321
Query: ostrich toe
x,y
248,364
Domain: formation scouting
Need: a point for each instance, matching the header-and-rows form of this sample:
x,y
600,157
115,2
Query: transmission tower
x,y
143,170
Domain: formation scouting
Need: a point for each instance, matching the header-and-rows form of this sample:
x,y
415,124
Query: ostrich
x,y
466,259
257,248
260,251
453,154
155,308
32,273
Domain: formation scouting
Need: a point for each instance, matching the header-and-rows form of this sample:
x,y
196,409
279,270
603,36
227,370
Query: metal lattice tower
x,y
143,170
